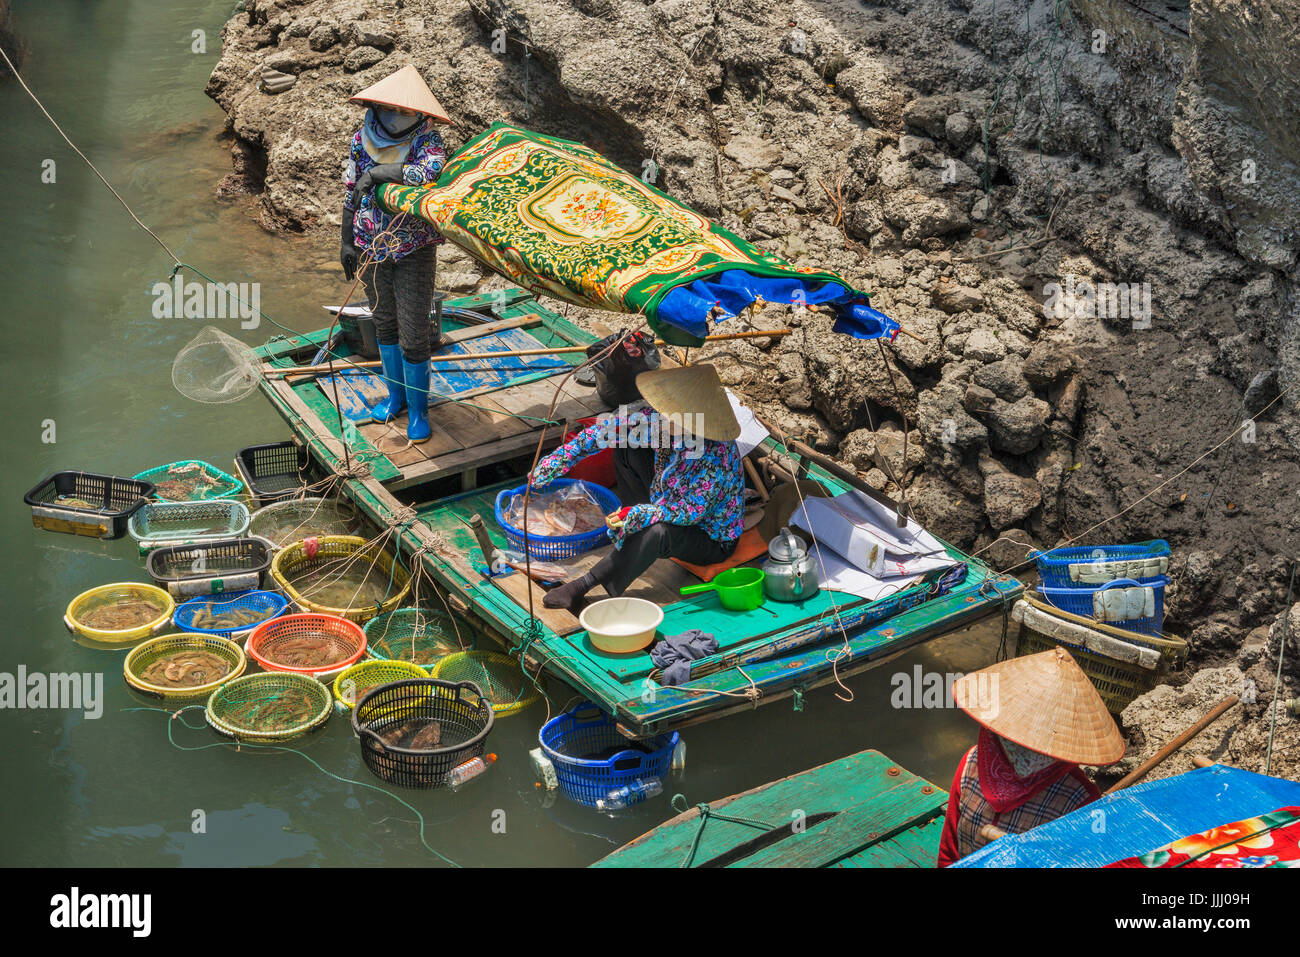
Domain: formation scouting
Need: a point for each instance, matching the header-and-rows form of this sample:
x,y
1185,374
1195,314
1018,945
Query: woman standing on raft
x,y
397,143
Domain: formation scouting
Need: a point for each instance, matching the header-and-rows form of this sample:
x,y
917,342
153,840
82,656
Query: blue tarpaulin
x,y
688,307
1140,819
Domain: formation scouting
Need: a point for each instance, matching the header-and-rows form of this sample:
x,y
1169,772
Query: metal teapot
x,y
791,571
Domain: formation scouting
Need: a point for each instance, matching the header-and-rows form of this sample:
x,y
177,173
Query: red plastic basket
x,y
344,636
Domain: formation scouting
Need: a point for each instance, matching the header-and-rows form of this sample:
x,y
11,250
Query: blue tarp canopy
x,y
688,306
1139,819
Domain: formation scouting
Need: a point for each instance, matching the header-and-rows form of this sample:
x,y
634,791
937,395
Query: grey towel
x,y
676,652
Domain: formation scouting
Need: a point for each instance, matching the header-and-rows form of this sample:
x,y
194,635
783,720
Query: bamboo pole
x,y
1145,768
508,354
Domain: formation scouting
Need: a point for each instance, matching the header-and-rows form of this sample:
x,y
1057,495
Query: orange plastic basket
x,y
342,636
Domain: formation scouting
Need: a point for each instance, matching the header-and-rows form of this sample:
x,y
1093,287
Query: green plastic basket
x,y
163,472
503,682
420,636
248,708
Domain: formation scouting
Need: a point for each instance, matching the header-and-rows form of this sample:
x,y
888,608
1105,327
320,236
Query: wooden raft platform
x,y
766,654
860,811
481,412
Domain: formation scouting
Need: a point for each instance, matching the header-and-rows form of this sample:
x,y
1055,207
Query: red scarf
x,y
1000,784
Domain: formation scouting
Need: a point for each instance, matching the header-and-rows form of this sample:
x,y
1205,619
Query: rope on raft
x,y
706,813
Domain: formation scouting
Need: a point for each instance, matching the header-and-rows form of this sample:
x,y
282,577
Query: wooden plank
x,y
455,462
391,445
852,781
480,422
518,586
907,804
325,418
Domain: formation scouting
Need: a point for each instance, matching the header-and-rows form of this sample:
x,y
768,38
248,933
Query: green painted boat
x,y
485,435
860,811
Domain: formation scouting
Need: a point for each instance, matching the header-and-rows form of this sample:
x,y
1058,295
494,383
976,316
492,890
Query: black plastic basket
x,y
120,497
273,472
464,716
208,568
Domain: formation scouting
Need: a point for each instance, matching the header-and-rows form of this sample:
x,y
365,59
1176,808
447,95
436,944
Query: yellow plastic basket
x,y
144,655
503,682
88,601
351,684
292,561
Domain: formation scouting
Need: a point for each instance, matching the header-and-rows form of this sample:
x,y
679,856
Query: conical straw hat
x,y
693,395
405,89
1043,702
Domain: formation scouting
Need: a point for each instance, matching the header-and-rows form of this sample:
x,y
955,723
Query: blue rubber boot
x,y
388,409
416,376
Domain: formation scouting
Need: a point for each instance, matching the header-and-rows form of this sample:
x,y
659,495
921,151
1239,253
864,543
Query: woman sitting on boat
x,y
1040,719
397,143
686,495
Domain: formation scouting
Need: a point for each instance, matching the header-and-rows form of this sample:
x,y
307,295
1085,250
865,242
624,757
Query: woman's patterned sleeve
x,y
689,485
350,171
585,443
427,161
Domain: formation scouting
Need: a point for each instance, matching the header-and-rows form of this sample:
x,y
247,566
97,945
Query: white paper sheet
x,y
865,534
752,432
839,575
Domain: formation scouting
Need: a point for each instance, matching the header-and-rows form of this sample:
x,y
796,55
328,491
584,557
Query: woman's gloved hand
x,y
348,253
383,173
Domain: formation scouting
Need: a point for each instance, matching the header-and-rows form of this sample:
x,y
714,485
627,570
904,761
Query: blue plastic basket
x,y
253,600
557,547
1078,601
571,738
1054,565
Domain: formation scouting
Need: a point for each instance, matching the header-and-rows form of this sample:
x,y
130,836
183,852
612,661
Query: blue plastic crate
x,y
1078,601
568,740
1054,565
253,600
557,547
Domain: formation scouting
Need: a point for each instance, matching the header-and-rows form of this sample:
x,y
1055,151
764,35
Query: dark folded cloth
x,y
676,652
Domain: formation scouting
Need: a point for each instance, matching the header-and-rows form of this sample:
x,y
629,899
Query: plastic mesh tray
x,y
115,500
175,523
274,472
224,565
228,486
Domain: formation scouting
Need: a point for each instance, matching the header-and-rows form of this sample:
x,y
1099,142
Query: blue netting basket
x,y
592,758
1054,565
557,547
1078,601
268,604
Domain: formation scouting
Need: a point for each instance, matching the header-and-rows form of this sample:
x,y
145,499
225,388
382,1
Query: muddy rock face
x,y
1096,309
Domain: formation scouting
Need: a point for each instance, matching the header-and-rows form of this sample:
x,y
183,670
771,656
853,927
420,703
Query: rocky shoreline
x,y
989,177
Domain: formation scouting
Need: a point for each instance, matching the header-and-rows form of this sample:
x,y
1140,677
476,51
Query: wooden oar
x,y
510,353
1145,768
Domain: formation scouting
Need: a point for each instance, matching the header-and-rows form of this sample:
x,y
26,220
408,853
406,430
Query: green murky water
x,y
84,351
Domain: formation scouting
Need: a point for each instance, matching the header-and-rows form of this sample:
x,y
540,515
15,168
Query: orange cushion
x,y
749,546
